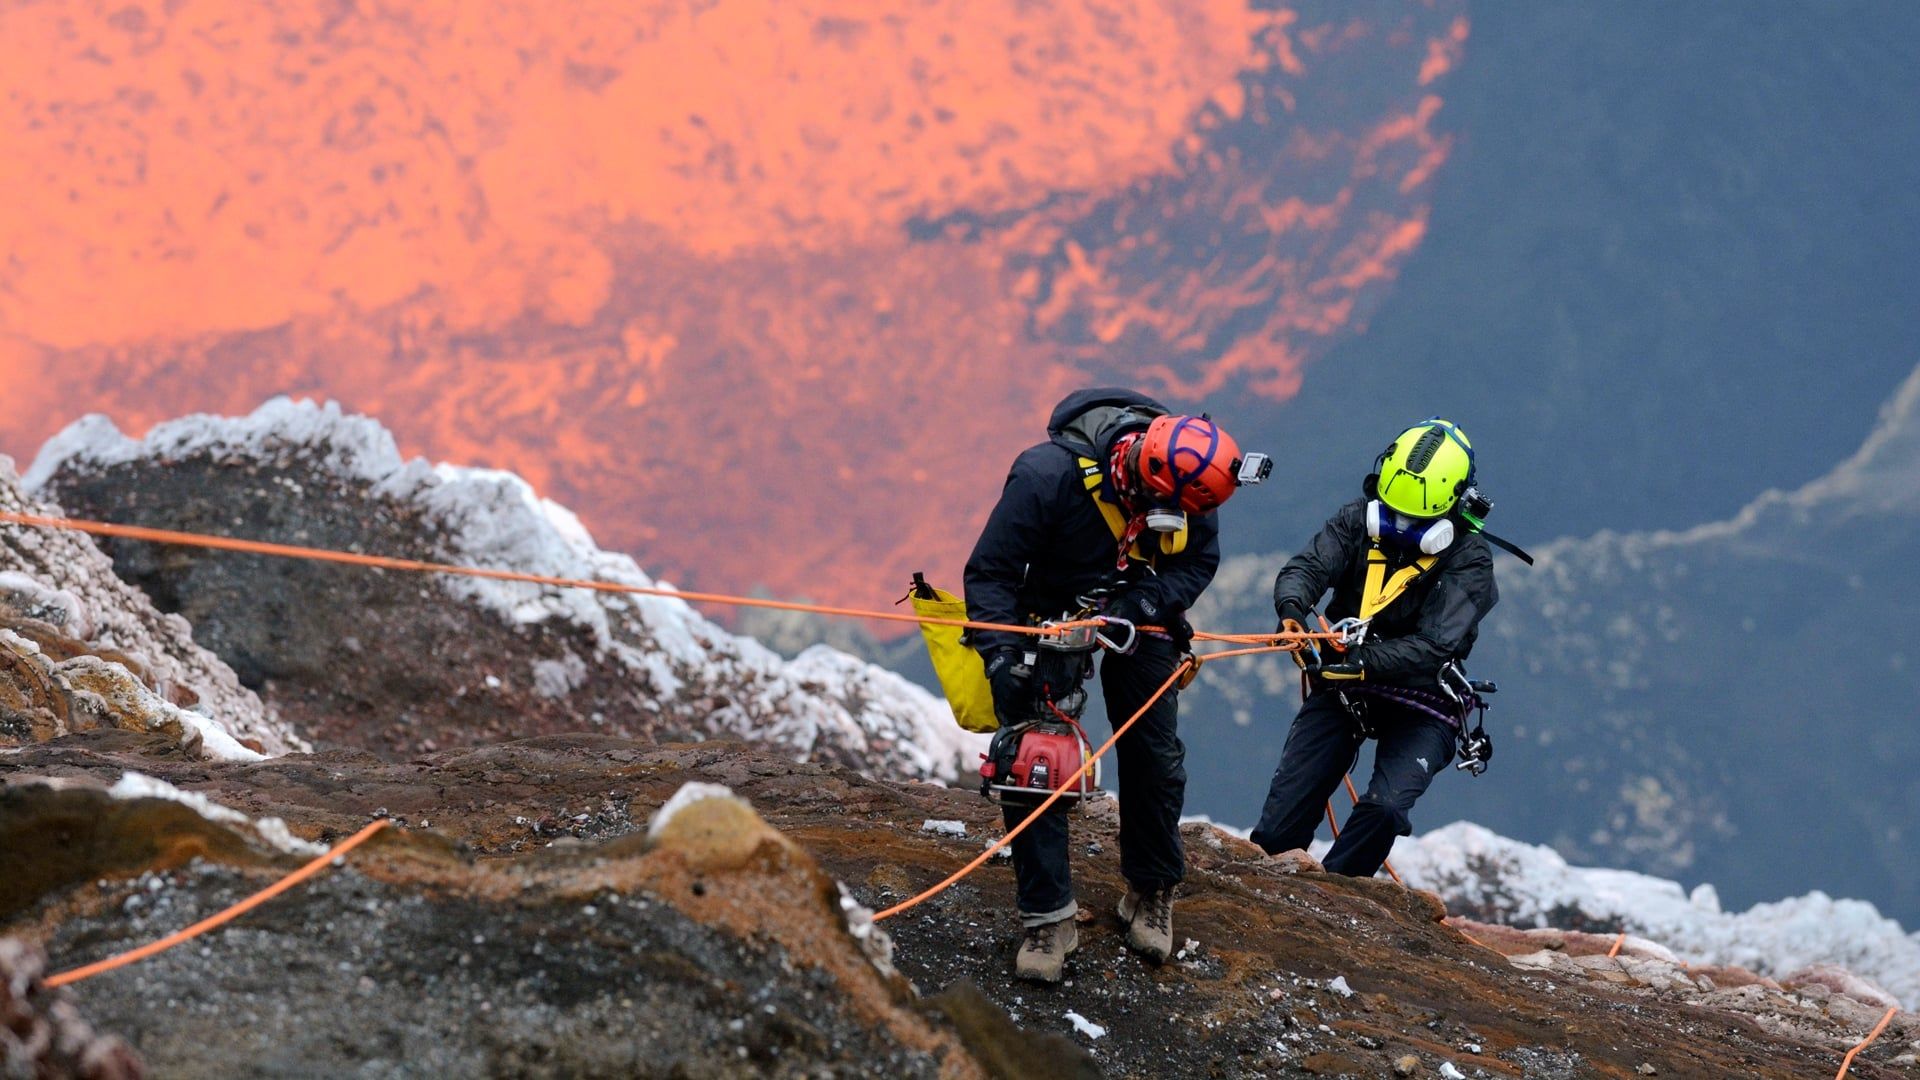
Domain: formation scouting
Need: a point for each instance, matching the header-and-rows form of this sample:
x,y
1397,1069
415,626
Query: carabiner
x,y
1123,648
1352,631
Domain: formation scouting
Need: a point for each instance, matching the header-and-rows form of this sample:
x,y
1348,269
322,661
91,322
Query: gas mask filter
x,y
1429,536
1166,520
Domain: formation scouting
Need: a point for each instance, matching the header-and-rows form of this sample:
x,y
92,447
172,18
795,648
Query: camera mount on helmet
x,y
1253,469
1475,506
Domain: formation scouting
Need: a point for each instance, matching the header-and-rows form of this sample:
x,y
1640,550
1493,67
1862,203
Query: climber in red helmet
x,y
1116,504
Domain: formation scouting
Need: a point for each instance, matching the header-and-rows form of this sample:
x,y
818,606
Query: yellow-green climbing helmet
x,y
1424,470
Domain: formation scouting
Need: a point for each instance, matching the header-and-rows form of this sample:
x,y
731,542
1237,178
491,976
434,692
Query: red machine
x,y
1028,762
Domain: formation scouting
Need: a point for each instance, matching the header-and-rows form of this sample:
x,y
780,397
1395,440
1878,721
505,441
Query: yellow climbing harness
x,y
1381,589
1092,475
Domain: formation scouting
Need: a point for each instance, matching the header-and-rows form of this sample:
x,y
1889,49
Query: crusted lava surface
x,y
506,926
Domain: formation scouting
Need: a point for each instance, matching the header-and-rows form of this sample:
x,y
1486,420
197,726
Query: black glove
x,y
1136,607
1346,670
1293,620
1011,682
1338,668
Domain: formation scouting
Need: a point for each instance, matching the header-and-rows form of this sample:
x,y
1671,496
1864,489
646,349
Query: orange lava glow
x,y
768,292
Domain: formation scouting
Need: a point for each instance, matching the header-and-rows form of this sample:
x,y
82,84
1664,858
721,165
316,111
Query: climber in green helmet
x,y
1412,576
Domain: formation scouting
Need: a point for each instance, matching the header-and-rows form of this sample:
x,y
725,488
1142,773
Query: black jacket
x,y
1434,621
1046,543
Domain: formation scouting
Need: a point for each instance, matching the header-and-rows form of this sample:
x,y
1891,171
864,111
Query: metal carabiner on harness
x,y
1464,691
1352,631
1476,746
1124,646
1453,683
1476,749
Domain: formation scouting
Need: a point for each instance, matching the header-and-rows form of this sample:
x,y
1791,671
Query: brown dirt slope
x,y
517,923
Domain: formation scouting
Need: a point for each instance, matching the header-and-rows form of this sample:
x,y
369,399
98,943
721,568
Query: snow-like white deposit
x,y
136,785
215,743
63,579
1085,1026
690,792
1522,883
823,702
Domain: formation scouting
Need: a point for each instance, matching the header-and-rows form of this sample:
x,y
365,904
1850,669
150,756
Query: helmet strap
x,y
1175,452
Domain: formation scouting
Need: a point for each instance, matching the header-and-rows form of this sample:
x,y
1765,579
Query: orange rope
x,y
387,562
1258,639
234,912
1070,782
1871,1035
1617,942
1272,645
1258,643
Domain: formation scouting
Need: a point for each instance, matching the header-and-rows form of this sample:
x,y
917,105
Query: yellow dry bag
x,y
963,675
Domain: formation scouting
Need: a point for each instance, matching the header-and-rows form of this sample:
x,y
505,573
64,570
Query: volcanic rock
x,y
80,648
405,663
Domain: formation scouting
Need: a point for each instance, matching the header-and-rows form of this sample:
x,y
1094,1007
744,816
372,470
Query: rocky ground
x,y
518,922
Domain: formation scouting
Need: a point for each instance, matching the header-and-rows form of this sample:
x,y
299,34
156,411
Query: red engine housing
x,y
1048,756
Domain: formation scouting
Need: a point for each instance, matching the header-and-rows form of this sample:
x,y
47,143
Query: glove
x,y
1136,607
1346,671
1345,668
1131,609
1293,620
1011,682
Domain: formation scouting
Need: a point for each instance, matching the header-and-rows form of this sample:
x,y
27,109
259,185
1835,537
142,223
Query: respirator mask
x,y
1429,536
1166,519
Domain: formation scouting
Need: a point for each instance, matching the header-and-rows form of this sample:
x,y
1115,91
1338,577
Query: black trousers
x,y
1321,747
1152,765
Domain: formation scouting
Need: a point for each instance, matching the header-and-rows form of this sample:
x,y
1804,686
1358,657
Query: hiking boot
x,y
1044,952
1149,919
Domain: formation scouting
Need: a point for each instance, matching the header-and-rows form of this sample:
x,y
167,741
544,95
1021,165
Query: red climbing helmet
x,y
1189,462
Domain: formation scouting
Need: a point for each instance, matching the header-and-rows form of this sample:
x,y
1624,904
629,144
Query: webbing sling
x,y
1093,476
1382,590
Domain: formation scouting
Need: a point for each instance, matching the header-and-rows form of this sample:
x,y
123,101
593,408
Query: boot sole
x,y
1152,956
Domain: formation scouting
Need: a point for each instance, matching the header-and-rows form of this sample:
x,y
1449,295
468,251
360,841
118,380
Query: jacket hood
x,y
1087,421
